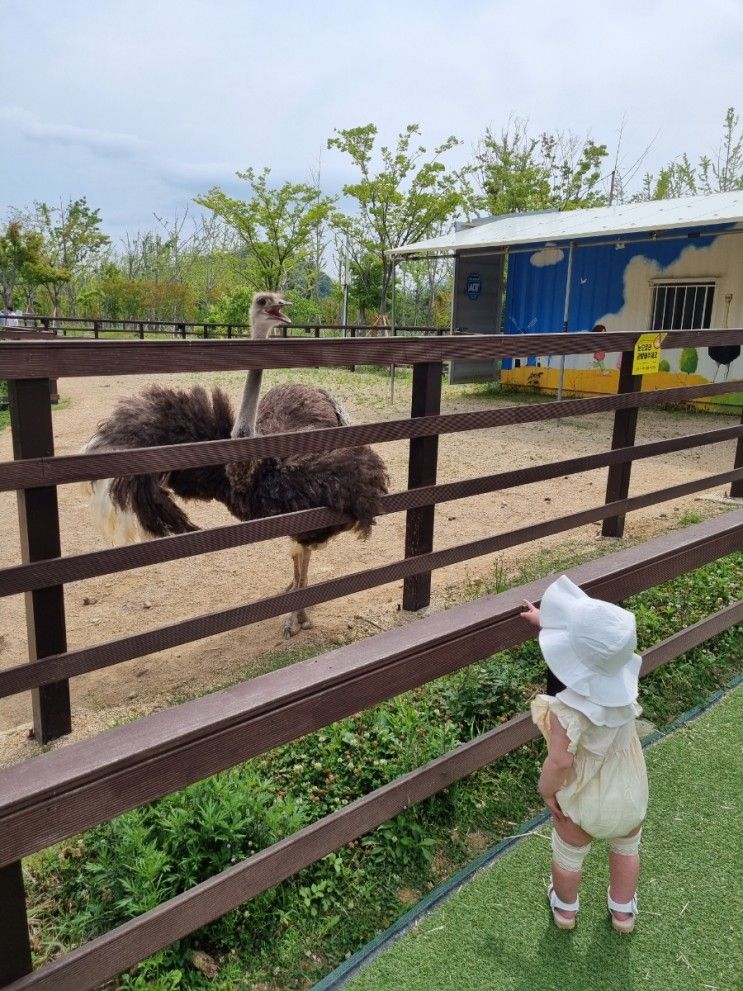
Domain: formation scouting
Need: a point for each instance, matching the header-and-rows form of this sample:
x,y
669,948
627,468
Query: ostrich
x,y
350,480
724,354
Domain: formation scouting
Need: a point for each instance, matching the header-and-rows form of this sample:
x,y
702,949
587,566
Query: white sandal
x,y
622,925
560,921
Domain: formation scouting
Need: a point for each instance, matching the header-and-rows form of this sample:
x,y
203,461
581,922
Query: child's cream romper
x,y
607,789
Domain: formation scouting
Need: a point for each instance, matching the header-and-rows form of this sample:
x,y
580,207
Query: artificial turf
x,y
495,934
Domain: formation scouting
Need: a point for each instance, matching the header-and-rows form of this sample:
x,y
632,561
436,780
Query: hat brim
x,y
617,689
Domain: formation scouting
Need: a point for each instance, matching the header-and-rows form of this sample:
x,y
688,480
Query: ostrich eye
x,y
261,301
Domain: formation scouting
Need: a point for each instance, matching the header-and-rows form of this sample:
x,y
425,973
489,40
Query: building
x,y
661,265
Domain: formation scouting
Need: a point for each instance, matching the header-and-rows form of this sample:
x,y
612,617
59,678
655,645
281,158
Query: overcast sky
x,y
141,105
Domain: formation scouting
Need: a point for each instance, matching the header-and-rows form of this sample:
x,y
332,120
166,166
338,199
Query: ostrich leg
x,y
298,620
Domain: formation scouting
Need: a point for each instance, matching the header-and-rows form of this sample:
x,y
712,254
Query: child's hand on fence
x,y
530,613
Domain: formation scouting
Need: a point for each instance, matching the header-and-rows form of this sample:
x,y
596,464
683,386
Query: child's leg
x,y
624,870
568,851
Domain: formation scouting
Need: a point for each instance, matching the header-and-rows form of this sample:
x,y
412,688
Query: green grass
x,y
496,932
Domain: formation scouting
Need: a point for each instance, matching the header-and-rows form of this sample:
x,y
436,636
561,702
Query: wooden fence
x,y
204,330
61,793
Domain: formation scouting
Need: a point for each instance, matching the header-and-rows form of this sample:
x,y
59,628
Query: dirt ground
x,y
104,608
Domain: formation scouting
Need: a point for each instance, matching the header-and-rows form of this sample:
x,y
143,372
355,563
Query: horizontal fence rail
x,y
91,781
95,563
33,472
30,324
51,669
76,358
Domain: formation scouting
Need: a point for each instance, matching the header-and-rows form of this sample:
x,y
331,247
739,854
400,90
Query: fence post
x,y
182,329
422,464
736,488
206,332
96,329
141,330
229,331
623,435
38,518
15,948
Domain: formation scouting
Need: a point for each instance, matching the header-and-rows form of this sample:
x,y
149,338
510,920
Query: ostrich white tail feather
x,y
117,526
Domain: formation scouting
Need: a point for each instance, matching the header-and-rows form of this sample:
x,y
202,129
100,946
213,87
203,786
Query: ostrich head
x,y
265,313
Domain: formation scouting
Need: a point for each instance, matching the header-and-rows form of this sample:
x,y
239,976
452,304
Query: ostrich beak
x,y
275,311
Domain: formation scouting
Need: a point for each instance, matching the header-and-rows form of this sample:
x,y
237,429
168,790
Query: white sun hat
x,y
589,644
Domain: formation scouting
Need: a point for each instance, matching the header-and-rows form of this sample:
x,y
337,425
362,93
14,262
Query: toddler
x,y
594,780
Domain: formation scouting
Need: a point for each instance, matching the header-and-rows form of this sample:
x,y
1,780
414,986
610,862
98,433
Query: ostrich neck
x,y
245,420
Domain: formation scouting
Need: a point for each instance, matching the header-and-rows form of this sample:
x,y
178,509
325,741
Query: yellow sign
x,y
647,354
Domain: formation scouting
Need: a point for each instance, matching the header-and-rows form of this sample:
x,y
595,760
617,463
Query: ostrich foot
x,y
295,622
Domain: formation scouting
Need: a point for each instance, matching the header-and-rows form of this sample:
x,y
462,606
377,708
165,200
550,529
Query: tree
x,y
210,272
717,173
399,204
425,293
17,250
275,226
517,173
163,260
72,242
22,265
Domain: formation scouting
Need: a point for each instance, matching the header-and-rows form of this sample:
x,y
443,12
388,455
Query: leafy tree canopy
x,y
400,200
517,172
719,172
23,266
275,226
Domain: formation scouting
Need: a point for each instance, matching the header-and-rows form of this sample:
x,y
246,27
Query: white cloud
x,y
106,143
115,145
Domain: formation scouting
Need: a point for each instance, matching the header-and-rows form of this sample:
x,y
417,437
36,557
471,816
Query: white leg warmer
x,y
567,856
626,846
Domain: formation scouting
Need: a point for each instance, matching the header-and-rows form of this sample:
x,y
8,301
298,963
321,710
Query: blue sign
x,y
474,286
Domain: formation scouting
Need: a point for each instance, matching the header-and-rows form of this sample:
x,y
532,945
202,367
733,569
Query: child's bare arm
x,y
556,768
530,613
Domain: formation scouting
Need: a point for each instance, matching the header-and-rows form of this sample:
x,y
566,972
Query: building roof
x,y
569,225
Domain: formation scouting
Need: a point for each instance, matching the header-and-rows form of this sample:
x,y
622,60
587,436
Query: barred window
x,y
682,305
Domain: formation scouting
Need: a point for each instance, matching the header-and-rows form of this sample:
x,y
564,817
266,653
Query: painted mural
x,y
625,286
